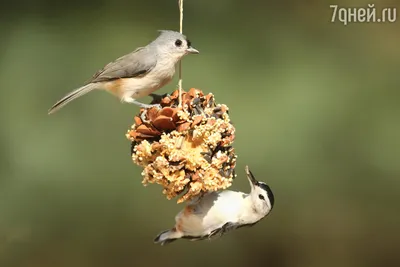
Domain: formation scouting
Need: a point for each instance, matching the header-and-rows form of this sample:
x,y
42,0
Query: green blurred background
x,y
316,110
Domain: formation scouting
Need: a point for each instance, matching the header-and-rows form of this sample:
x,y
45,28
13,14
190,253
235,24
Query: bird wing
x,y
134,64
210,213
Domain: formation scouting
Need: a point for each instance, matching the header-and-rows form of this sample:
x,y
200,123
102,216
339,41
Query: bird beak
x,y
191,50
251,178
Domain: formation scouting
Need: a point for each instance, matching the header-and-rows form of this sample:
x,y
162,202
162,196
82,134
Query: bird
x,y
139,73
216,213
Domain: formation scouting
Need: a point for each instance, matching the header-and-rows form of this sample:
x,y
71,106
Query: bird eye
x,y
178,42
261,197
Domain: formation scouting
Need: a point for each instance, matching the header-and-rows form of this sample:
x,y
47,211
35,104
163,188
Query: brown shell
x,y
164,123
169,112
137,120
152,113
175,94
197,119
137,135
187,97
184,95
193,92
186,102
131,134
183,127
146,130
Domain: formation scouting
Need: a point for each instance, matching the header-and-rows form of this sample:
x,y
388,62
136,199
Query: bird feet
x,y
142,105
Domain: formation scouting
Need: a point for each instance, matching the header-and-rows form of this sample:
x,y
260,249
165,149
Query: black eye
x,y
261,197
178,42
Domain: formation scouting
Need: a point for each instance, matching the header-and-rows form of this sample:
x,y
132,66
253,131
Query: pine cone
x,y
186,150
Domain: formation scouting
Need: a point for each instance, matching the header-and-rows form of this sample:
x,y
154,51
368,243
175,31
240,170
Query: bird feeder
x,y
187,150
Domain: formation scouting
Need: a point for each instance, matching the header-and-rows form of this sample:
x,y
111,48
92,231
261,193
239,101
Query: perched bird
x,y
216,213
139,73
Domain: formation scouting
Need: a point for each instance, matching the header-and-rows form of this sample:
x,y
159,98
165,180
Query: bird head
x,y
261,195
173,44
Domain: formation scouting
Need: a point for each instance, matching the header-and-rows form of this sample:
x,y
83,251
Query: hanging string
x,y
180,3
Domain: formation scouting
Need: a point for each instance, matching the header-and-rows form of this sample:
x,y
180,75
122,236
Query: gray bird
x,y
138,73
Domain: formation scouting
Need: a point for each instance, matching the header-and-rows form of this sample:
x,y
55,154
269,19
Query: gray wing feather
x,y
134,64
227,227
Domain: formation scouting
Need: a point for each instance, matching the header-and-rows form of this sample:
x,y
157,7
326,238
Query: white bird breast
x,y
143,86
211,212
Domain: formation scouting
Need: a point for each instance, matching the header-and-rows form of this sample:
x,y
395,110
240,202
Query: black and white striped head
x,y
261,195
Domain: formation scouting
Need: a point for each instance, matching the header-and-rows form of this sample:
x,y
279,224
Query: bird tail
x,y
71,96
168,236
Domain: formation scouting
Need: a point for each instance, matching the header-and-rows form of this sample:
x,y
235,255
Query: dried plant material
x,y
186,150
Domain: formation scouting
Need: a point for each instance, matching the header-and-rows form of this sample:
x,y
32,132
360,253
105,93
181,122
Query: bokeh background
x,y
315,105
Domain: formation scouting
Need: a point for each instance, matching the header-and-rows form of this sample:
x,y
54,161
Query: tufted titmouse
x,y
139,73
216,213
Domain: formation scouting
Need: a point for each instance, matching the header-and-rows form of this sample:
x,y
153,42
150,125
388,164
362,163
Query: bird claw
x,y
148,106
145,107
216,233
143,116
144,113
141,105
